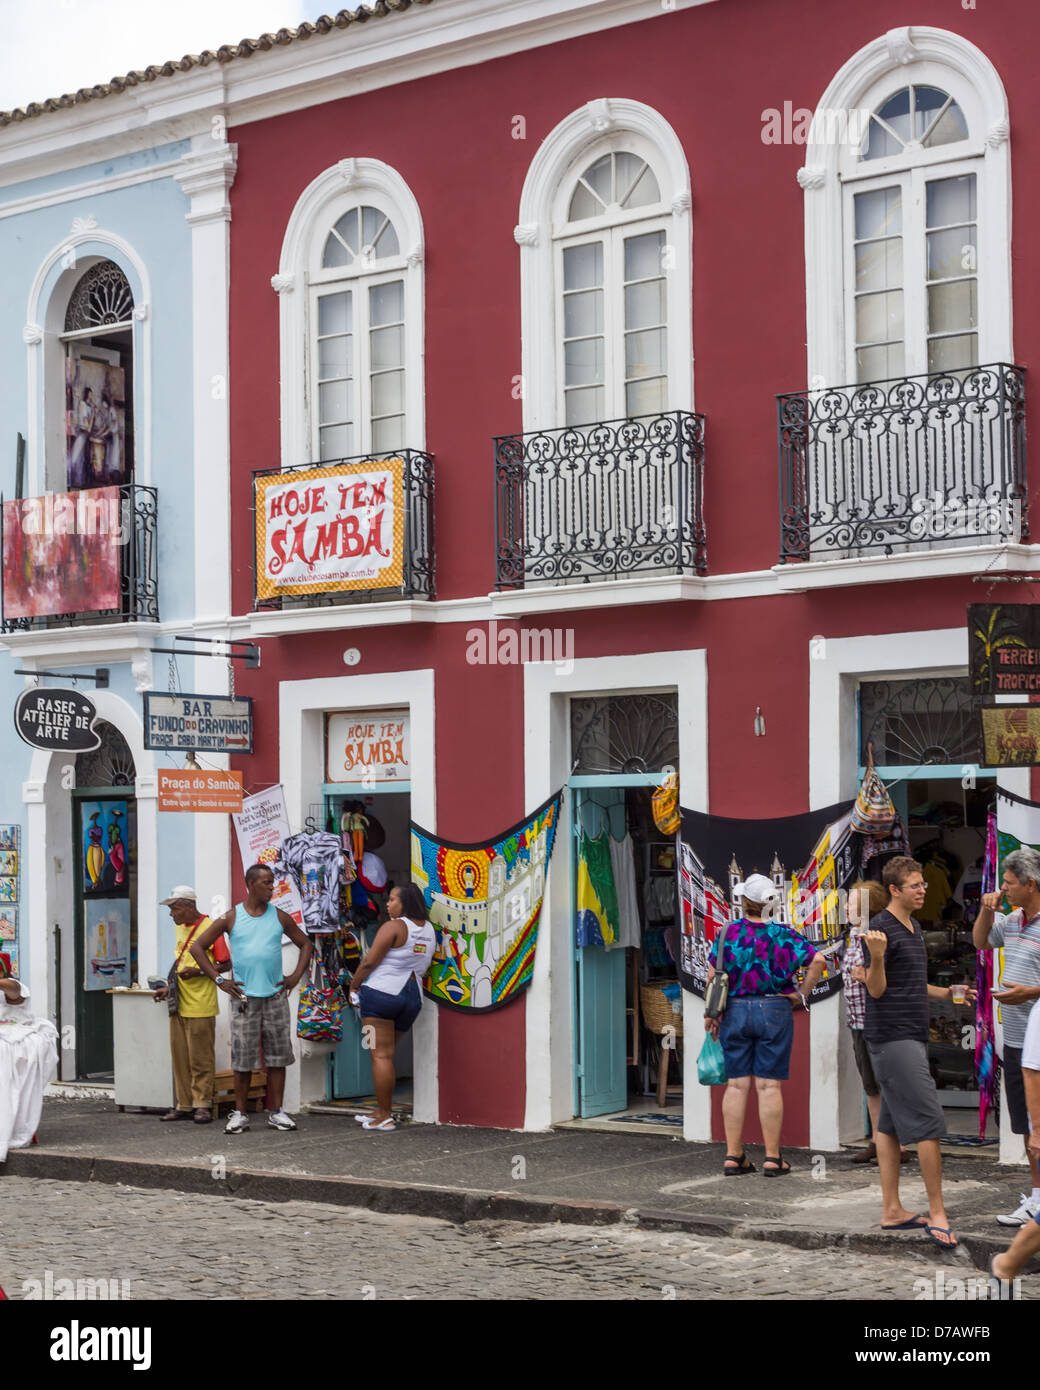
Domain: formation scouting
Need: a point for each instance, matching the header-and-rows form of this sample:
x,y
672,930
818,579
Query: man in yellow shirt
x,y
193,1024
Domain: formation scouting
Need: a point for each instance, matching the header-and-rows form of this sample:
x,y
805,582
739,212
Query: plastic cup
x,y
959,993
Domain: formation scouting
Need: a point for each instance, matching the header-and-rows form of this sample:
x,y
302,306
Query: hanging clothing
x,y
28,1064
876,853
622,862
597,905
314,864
939,891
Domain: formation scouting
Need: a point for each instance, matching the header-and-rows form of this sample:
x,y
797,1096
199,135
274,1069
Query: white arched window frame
x,y
43,334
834,173
543,233
302,280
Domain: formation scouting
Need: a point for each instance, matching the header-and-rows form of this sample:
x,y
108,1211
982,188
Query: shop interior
x,y
631,1033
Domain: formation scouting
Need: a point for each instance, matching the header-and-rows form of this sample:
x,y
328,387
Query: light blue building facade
x,y
114,228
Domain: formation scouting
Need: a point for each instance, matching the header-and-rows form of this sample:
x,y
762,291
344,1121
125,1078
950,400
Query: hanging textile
x,y
622,861
703,914
754,842
485,901
987,1066
313,864
596,920
877,850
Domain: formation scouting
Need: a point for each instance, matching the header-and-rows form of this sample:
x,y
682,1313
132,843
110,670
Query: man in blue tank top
x,y
260,993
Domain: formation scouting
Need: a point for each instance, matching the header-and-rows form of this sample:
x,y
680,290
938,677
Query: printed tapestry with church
x,y
485,902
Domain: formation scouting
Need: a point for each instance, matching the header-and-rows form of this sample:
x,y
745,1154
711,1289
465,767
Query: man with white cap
x,y
193,1014
756,1031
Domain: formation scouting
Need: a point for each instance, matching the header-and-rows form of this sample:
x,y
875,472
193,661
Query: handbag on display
x,y
874,809
319,1017
711,1063
716,996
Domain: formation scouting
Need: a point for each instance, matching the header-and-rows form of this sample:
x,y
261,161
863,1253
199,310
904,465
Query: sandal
x,y
780,1167
176,1115
744,1165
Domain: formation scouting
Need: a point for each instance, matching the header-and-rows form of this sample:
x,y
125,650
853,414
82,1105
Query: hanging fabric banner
x,y
485,901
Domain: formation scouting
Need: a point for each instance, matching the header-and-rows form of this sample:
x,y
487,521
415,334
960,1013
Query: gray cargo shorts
x,y
910,1106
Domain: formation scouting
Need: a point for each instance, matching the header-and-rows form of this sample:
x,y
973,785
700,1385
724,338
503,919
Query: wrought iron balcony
x,y
602,501
344,531
76,558
917,462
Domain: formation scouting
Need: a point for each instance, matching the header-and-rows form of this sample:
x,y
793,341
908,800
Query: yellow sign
x,y
330,530
1010,735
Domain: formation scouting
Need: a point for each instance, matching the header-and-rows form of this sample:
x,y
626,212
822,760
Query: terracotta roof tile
x,y
226,53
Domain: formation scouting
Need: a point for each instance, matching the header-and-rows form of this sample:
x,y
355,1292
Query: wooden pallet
x,y
224,1091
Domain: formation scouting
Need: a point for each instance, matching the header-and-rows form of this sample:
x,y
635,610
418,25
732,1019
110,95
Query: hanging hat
x,y
372,872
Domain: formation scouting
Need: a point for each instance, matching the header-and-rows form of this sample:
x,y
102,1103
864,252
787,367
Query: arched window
x,y
98,344
912,238
350,281
612,252
604,236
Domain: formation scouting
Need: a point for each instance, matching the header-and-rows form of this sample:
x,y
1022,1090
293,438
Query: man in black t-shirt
x,y
896,1034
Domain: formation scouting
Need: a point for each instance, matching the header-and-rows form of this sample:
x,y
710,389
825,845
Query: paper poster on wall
x,y
8,923
95,402
104,847
261,826
106,943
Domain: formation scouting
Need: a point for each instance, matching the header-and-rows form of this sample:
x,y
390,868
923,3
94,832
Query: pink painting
x,y
61,553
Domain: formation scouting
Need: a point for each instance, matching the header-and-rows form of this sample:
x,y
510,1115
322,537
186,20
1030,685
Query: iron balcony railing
x,y
918,461
600,501
407,530
77,558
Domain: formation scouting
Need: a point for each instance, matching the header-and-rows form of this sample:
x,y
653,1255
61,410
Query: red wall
x,y
710,72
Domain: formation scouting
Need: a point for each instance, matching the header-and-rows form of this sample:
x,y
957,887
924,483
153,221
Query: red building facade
x,y
600,212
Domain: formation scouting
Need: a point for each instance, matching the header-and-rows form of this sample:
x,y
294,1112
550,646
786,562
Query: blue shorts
x,y
402,1009
756,1037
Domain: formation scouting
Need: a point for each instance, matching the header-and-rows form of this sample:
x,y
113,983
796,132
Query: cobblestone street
x,y
172,1245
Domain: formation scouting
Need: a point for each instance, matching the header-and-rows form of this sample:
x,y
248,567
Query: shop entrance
x,y
350,1065
628,1000
104,837
924,743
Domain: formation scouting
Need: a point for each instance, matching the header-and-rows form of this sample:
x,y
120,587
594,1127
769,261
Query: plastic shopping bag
x,y
711,1064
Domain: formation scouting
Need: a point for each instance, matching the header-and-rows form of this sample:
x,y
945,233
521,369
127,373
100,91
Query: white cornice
x,y
424,41
893,569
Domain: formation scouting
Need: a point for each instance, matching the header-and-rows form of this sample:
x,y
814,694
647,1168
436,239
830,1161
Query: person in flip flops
x,y
896,1032
757,1029
1006,1268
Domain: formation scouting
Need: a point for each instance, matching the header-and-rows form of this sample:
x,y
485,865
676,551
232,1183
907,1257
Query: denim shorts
x,y
756,1037
402,1009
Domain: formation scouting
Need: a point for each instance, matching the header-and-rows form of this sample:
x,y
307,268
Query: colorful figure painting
x,y
95,401
8,890
106,943
104,847
485,901
8,923
9,835
8,861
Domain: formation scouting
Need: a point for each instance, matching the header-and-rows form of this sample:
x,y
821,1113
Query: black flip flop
x,y
744,1166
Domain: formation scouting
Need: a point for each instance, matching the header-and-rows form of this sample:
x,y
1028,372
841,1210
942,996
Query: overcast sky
x,y
55,46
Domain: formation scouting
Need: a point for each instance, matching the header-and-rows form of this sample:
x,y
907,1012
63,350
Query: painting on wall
x,y
62,554
8,923
8,861
9,835
95,403
106,943
104,847
8,890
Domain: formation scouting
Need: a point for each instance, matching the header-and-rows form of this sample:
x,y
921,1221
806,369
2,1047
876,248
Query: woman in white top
x,y
28,1063
389,996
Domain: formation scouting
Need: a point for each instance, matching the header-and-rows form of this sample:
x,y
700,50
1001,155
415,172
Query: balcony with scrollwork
x,y
610,501
906,466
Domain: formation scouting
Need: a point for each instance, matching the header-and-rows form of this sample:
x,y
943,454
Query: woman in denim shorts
x,y
388,993
757,1028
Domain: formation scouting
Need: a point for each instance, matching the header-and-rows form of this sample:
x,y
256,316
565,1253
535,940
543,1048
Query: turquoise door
x,y
351,1062
602,1059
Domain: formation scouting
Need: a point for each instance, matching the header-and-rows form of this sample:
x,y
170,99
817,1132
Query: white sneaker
x,y
1024,1213
237,1122
278,1119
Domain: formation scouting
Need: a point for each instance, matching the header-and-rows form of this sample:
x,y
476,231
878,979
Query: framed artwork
x,y
106,943
8,890
8,923
10,836
8,861
95,400
11,952
105,867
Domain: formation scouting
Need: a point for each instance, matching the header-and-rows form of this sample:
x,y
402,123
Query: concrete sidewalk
x,y
657,1181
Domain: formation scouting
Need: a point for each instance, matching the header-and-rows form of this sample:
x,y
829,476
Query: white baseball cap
x,y
757,889
178,895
